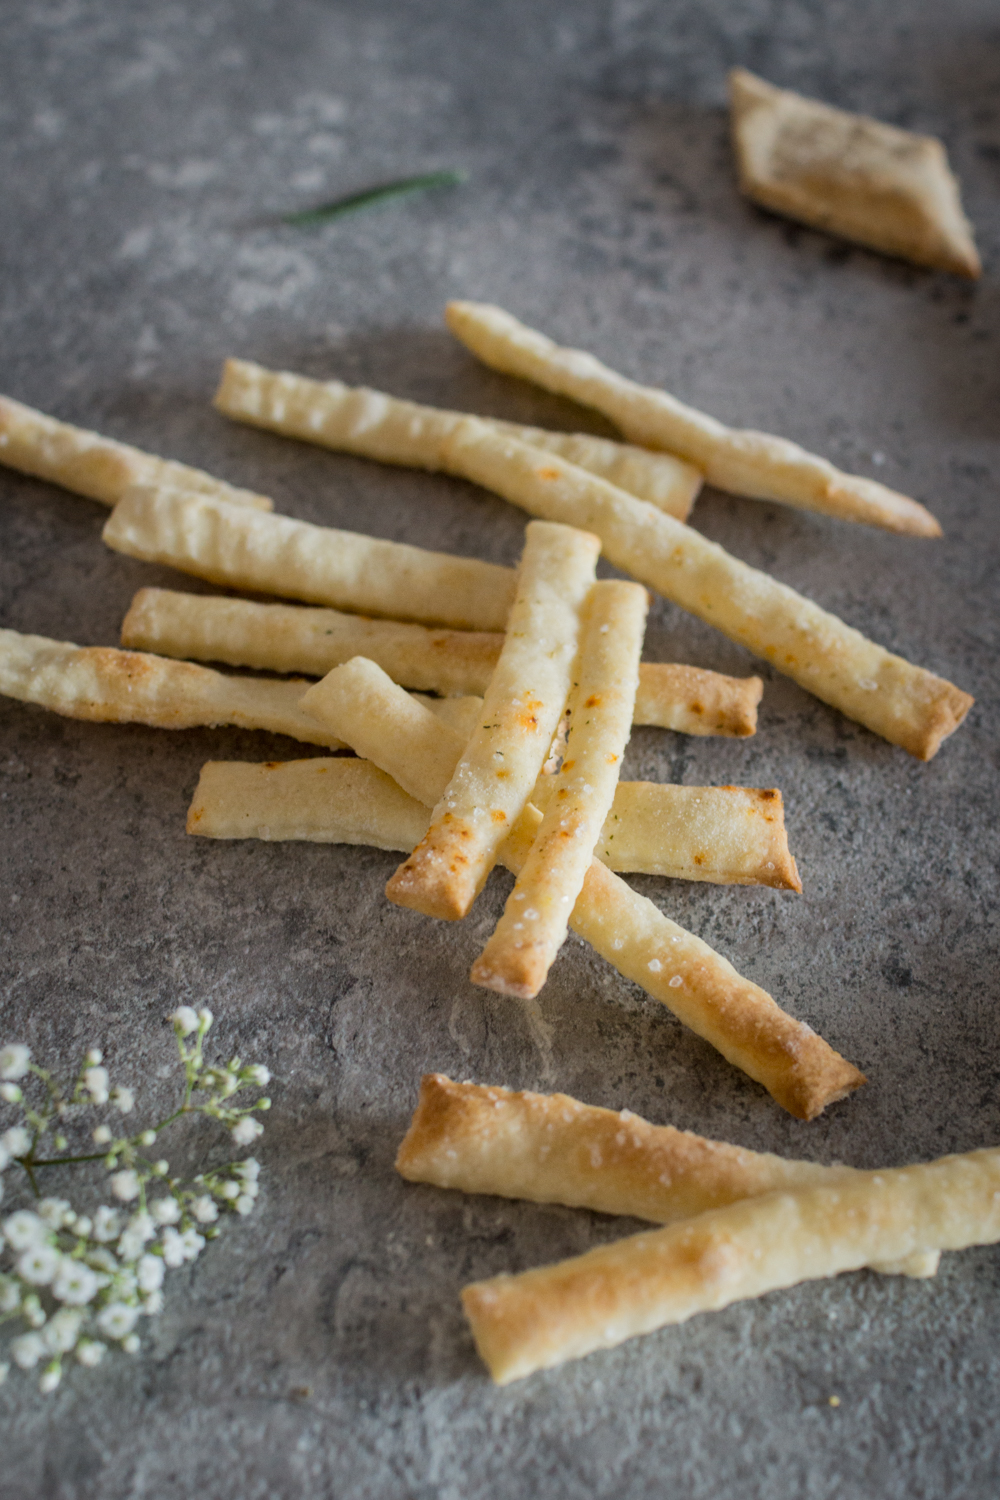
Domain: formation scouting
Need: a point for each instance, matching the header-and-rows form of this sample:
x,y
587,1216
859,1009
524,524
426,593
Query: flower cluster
x,y
77,1282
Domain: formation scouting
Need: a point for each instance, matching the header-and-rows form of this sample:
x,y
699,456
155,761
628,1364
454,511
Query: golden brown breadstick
x,y
905,704
594,1301
532,928
274,554
356,420
801,1071
550,1148
292,638
746,463
95,466
523,704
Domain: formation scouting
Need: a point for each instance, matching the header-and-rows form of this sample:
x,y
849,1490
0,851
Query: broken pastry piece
x,y
850,175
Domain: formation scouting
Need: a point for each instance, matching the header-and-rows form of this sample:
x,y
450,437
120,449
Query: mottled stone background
x,y
318,1349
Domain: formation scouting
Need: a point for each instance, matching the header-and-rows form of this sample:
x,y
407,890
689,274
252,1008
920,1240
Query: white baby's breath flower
x,y
123,1099
62,1331
152,1304
131,1345
50,1379
23,1229
54,1211
249,1169
149,1273
107,1223
148,1138
83,1226
32,1310
165,1210
117,1320
130,1245
123,1285
125,1185
95,1081
74,1283
27,1350
229,1189
244,1204
90,1352
161,1168
246,1131
95,1056
16,1141
205,1017
10,1093
257,1073
193,1243
204,1210
101,1135
15,1060
38,1264
173,1249
10,1294
185,1020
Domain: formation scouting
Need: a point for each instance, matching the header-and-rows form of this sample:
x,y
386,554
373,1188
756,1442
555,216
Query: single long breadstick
x,y
293,638
594,1301
330,801
132,687
274,554
357,420
801,1071
526,696
532,929
550,1148
746,463
905,704
95,466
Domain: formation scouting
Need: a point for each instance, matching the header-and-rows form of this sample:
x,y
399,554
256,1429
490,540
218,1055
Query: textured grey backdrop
x,y
318,1350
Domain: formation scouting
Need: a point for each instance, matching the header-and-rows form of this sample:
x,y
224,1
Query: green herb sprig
x,y
373,197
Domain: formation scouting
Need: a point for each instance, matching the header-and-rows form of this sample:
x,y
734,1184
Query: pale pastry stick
x,y
692,700
664,1276
293,638
357,420
872,183
326,800
744,462
729,835
550,1148
532,929
523,704
132,687
801,1071
905,704
95,466
274,554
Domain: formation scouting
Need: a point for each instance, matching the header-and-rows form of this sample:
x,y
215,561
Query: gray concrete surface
x,y
319,1349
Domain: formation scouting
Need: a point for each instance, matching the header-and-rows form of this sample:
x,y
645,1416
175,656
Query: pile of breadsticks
x,y
489,709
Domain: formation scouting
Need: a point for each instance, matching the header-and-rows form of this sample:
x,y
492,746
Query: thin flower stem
x,y
372,198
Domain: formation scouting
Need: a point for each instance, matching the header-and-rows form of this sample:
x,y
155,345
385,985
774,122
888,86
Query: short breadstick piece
x,y
905,704
292,638
550,1148
522,707
274,554
594,1301
746,463
532,929
357,420
326,800
800,1070
132,687
851,175
95,466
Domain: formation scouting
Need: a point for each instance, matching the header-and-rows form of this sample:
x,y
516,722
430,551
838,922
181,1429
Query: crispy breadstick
x,y
663,1276
905,704
292,638
274,554
342,801
357,420
801,1071
550,1148
746,463
851,175
522,707
131,687
532,929
95,466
